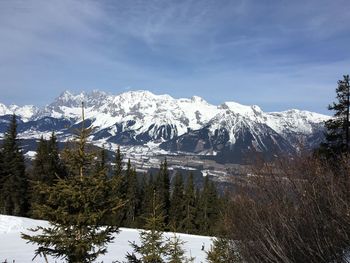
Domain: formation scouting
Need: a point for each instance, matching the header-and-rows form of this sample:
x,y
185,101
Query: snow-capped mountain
x,y
25,112
162,123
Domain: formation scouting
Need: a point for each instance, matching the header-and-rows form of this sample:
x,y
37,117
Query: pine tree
x,y
146,202
152,248
188,224
39,173
101,163
177,204
14,181
40,163
47,167
163,190
208,208
131,199
337,128
76,208
222,251
56,167
118,163
118,179
2,176
175,252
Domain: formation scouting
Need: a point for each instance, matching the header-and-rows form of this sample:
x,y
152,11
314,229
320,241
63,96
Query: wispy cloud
x,y
186,47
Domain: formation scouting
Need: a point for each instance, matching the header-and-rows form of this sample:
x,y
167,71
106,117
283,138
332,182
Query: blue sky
x,y
278,54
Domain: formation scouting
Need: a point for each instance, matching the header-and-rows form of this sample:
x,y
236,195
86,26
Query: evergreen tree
x,y
76,208
177,204
56,167
100,164
147,198
163,191
47,167
222,251
208,208
152,248
188,224
118,163
40,163
131,199
118,179
337,128
14,182
175,252
39,172
141,191
2,176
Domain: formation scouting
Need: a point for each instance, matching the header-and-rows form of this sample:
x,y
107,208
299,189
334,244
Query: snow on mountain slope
x,y
12,247
25,112
294,120
143,107
137,118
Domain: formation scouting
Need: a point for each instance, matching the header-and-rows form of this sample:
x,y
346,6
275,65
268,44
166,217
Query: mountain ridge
x,y
141,118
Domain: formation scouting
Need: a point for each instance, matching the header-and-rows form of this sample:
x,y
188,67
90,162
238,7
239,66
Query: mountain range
x,y
144,123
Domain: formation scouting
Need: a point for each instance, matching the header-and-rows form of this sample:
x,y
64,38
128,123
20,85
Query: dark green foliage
x,y
40,163
146,198
162,186
189,223
47,168
132,198
175,252
76,208
337,128
100,163
152,248
13,180
118,163
222,251
119,189
177,204
208,208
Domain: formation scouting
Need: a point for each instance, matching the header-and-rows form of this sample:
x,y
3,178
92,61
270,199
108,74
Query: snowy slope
x,y
12,247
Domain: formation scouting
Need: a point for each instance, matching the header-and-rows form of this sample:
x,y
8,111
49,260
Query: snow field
x,y
13,247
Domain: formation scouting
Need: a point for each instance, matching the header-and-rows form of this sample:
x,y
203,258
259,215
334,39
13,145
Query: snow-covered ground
x,y
12,247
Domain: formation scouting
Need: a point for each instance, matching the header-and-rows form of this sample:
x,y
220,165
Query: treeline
x,y
184,207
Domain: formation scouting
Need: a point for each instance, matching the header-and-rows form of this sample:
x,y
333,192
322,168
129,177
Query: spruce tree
x,y
14,181
118,163
101,162
177,204
118,179
188,224
56,166
47,168
39,172
208,208
131,199
76,208
2,176
163,191
337,128
175,252
222,251
146,202
152,248
40,163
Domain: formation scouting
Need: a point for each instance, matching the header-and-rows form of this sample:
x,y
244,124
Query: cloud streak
x,y
237,48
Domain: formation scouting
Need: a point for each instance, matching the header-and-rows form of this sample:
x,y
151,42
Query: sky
x,y
278,54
